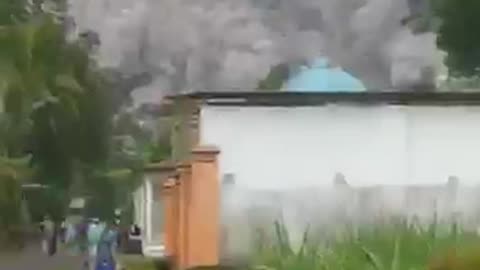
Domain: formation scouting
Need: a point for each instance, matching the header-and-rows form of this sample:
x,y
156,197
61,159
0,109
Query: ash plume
x,y
222,45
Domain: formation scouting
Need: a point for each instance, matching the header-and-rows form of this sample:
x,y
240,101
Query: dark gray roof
x,y
258,98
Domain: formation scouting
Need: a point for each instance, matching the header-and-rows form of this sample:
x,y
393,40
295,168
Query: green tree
x,y
12,11
59,106
55,103
51,82
275,79
457,35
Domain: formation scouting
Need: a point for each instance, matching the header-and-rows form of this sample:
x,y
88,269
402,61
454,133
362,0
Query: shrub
x,y
393,246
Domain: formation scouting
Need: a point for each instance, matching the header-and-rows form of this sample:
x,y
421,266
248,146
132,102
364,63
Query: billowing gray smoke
x,y
231,44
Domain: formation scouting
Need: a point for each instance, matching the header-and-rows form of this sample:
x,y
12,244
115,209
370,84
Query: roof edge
x,y
259,98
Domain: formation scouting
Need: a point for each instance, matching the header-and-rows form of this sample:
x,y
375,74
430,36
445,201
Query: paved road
x,y
31,258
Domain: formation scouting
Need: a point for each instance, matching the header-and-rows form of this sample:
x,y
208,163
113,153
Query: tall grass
x,y
396,245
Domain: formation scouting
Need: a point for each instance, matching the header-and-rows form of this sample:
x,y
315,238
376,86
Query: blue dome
x,y
318,77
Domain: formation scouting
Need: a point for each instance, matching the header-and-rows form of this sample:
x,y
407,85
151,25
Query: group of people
x,y
92,239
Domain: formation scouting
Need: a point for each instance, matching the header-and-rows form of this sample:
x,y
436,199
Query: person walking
x,y
107,249
48,236
82,241
94,233
71,238
62,231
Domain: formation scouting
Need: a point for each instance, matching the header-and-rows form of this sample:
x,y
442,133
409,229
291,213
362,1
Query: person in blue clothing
x,y
106,248
94,233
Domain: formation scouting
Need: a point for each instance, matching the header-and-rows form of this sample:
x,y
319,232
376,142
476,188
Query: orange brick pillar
x,y
203,209
184,182
170,198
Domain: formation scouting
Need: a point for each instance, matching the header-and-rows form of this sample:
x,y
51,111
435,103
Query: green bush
x,y
393,246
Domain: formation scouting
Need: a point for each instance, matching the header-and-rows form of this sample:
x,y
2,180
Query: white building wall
x,y
139,209
446,141
285,147
284,159
149,217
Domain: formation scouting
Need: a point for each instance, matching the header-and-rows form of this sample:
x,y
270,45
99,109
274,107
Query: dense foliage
x,y
56,109
12,171
457,35
12,11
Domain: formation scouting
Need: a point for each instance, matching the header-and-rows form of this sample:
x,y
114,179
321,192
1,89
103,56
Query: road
x,y
31,258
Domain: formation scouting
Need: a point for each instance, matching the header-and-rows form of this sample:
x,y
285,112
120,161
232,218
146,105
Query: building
x,y
265,139
147,202
148,208
312,157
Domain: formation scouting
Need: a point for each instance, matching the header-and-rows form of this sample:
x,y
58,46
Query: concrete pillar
x,y
452,187
453,184
170,197
343,197
203,208
339,180
183,201
148,210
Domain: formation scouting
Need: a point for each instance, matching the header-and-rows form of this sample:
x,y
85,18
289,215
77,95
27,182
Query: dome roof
x,y
318,77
